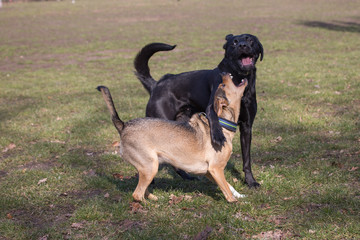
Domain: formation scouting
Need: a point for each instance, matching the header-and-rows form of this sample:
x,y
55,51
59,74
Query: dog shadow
x,y
174,182
234,172
340,26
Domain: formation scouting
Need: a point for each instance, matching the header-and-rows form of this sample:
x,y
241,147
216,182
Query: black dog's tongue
x,y
246,61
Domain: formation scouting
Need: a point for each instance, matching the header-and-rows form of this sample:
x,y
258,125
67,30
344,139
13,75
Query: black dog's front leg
x,y
245,140
217,136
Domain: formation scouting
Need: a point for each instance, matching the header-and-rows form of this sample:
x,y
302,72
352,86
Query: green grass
x,y
54,124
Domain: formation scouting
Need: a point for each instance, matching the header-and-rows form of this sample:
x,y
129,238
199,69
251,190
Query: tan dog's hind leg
x,y
146,175
217,175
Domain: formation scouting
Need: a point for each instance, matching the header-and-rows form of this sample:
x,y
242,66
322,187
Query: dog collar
x,y
231,126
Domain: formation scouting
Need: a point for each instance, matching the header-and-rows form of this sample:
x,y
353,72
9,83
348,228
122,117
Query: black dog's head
x,y
243,51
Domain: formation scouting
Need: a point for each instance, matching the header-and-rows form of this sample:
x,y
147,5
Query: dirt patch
x,y
85,194
3,174
40,165
46,217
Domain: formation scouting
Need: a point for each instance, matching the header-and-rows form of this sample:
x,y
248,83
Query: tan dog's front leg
x,y
232,189
217,175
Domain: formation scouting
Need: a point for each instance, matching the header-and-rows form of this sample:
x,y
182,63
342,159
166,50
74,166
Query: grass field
x,y
60,177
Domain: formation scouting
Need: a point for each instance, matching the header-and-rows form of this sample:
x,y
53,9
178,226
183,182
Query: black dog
x,y
179,96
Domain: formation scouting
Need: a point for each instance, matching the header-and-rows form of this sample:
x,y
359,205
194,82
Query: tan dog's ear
x,y
220,101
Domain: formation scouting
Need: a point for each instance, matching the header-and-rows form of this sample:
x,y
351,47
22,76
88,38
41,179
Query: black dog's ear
x,y
261,48
227,38
261,51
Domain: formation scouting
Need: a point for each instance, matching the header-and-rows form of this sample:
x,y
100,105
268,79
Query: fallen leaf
x,y
278,139
175,200
118,176
57,141
337,164
235,180
198,215
274,235
187,209
188,198
136,207
106,195
353,169
116,144
9,216
90,173
45,237
9,147
129,224
265,206
122,177
244,217
288,198
42,181
277,219
204,234
77,225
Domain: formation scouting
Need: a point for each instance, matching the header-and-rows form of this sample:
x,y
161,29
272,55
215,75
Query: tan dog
x,y
148,142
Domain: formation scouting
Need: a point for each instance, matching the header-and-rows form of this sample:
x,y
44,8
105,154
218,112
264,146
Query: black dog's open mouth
x,y
246,61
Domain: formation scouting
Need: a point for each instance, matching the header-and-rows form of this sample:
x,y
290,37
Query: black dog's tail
x,y
119,125
141,63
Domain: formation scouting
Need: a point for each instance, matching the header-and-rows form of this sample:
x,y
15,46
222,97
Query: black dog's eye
x,y
235,42
249,39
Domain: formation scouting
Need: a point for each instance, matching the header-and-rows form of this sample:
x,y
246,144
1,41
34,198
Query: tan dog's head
x,y
228,98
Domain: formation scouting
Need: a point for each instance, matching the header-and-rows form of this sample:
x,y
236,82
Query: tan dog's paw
x,y
152,197
235,193
232,200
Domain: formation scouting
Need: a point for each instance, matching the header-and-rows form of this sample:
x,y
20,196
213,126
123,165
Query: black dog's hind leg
x,y
184,115
184,174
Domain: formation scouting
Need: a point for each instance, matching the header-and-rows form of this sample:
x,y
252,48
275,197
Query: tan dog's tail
x,y
119,125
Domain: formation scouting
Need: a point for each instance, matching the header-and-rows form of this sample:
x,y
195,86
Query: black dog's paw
x,y
250,181
254,185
